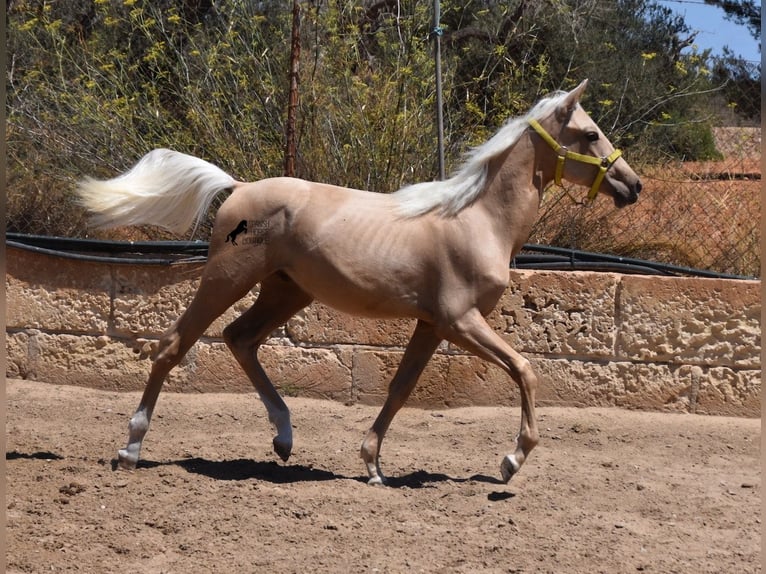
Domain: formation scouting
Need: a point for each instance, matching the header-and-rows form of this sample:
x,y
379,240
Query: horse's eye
x,y
592,136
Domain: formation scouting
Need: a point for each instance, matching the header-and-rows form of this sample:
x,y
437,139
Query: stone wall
x,y
596,339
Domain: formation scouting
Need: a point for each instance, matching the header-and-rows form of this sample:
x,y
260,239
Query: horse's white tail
x,y
165,188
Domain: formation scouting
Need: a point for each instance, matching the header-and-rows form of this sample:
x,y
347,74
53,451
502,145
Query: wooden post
x,y
292,104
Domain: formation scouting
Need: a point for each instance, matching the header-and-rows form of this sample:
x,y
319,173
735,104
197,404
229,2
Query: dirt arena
x,y
606,490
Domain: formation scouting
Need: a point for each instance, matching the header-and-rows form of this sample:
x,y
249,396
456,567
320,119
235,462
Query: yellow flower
x,y
28,25
53,26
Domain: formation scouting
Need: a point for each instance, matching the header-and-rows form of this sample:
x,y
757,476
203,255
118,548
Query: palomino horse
x,y
438,252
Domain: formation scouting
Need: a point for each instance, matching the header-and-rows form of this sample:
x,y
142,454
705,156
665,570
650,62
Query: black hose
x,y
533,256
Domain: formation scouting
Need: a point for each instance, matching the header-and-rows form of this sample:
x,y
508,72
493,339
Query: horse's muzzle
x,y
629,198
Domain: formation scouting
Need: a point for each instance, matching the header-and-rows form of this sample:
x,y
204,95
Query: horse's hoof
x,y
376,480
283,450
126,461
509,467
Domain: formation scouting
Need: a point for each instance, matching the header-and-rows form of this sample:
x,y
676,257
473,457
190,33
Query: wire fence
x,y
701,215
704,215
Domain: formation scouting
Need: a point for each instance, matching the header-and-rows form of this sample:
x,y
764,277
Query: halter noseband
x,y
603,163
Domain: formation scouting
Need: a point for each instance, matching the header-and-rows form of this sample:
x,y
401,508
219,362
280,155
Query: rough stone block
x,y
471,381
147,300
724,391
315,373
319,324
448,381
374,369
689,320
55,294
96,362
622,384
558,313
17,359
210,368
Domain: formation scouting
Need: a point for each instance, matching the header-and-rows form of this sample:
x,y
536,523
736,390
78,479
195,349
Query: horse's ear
x,y
579,90
570,101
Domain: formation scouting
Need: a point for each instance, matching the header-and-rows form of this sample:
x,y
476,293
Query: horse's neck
x,y
512,197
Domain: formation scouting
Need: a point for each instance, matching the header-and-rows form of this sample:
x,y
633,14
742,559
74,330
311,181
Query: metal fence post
x,y
437,35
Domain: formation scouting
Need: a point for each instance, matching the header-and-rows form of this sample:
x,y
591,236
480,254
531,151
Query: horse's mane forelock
x,y
464,186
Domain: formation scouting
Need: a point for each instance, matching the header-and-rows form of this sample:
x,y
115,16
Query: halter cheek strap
x,y
603,163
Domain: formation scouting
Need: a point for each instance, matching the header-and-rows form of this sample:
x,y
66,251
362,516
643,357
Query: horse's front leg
x,y
474,334
417,354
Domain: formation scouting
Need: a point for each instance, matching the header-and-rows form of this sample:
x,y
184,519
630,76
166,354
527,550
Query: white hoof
x,y
377,480
509,467
376,476
126,460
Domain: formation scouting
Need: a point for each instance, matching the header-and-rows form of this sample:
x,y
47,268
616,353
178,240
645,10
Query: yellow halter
x,y
603,163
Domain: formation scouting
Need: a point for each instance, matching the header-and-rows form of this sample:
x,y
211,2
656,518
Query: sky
x,y
714,31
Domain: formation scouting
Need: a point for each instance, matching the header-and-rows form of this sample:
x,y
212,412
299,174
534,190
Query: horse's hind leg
x,y
280,298
416,356
213,297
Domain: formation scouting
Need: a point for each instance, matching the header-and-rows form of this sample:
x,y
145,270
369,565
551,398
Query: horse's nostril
x,y
638,187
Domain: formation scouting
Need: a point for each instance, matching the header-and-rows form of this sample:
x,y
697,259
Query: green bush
x,y
93,85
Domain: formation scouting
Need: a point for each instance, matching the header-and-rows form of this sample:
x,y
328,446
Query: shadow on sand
x,y
276,473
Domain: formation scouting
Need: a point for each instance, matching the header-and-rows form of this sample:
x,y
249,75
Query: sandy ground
x,y
606,490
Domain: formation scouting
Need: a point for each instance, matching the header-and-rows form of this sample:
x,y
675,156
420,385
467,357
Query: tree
x,y
94,84
643,84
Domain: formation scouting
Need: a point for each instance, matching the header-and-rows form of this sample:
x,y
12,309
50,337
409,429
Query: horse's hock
x,y
595,339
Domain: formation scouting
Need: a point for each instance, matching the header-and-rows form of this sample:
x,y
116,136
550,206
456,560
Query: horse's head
x,y
580,152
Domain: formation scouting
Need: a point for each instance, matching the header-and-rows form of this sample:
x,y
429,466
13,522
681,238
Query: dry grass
x,y
697,214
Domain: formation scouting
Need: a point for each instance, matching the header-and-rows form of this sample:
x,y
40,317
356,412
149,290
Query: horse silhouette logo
x,y
241,228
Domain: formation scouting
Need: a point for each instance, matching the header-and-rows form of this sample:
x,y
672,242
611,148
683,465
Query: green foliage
x,y
92,94
368,101
94,84
741,87
686,140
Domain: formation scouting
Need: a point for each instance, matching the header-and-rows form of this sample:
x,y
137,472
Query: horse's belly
x,y
361,260
369,297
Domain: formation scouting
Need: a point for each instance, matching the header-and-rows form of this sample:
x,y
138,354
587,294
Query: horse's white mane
x,y
465,185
